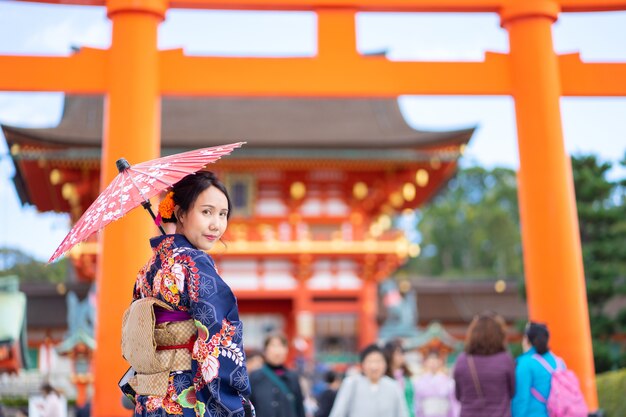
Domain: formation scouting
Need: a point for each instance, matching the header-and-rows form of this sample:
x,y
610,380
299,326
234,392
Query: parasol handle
x,y
148,206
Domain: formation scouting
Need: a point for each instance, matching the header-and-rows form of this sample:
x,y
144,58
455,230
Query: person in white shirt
x,y
372,393
52,404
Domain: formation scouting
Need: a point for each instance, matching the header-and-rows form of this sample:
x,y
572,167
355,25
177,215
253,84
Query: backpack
x,y
565,398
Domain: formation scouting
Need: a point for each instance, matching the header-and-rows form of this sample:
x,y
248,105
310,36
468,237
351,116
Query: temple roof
x,y
262,122
292,133
434,337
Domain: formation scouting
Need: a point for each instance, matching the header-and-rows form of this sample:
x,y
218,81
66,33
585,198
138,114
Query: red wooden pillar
x,y
555,282
368,329
303,309
305,321
131,130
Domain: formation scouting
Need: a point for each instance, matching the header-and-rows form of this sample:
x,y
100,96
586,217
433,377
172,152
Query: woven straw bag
x,y
140,338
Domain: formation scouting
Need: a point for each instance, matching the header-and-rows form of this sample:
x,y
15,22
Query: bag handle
x,y
543,363
560,364
472,368
537,395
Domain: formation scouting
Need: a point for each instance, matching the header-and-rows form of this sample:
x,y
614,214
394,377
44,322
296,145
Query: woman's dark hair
x,y
187,190
47,389
252,352
275,336
368,350
538,336
389,350
486,335
331,376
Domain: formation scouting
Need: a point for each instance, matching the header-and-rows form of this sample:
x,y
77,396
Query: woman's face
x,y
206,221
433,363
374,366
276,352
397,358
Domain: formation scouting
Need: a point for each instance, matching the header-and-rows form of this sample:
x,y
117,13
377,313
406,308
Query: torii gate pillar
x,y
555,282
132,122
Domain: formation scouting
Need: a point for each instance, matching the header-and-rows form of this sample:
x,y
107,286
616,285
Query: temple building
x,y
315,191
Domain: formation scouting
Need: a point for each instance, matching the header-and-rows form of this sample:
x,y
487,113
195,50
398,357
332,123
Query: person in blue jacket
x,y
530,374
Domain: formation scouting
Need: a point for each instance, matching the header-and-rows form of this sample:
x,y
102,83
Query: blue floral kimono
x,y
186,278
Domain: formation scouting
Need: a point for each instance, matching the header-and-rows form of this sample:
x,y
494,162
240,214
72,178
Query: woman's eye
x,y
206,211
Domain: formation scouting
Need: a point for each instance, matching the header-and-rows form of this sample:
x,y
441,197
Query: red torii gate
x,y
133,74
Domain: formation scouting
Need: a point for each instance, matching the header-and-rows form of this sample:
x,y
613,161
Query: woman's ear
x,y
179,215
525,344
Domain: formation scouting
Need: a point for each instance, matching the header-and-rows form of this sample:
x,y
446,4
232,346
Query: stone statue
x,y
401,311
81,316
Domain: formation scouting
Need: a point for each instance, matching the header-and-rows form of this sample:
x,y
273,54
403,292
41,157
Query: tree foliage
x,y
601,205
611,388
28,269
471,229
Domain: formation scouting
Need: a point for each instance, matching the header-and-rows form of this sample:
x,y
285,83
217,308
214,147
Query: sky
x,y
591,125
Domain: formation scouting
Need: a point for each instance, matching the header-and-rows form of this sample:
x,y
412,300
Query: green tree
x,y
471,229
28,269
602,219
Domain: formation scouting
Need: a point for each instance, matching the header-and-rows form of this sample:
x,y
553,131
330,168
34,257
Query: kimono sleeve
x,y
456,375
455,407
218,357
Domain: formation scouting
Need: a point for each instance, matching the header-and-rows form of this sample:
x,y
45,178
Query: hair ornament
x,y
166,206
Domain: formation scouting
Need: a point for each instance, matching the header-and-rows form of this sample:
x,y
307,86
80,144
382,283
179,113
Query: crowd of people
x,y
484,380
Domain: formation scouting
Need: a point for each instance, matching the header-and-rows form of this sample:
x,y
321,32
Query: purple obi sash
x,y
162,315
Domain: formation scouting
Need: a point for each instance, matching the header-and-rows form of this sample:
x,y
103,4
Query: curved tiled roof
x,y
261,122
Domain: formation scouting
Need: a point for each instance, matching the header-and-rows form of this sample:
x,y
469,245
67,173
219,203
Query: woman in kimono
x,y
181,274
435,389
